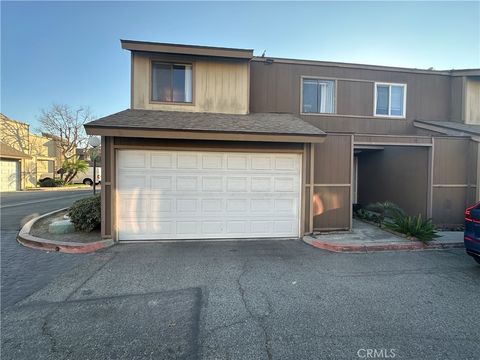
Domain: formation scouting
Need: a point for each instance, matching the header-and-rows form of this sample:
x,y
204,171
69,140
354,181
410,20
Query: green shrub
x,y
385,210
414,226
85,214
367,215
49,182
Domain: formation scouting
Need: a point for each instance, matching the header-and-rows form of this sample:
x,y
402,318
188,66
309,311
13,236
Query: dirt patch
x,y
40,229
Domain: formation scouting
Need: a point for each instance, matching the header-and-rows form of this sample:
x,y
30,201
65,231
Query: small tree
x,y
72,167
66,124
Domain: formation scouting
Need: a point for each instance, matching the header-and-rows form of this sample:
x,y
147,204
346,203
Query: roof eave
x,y
182,49
425,125
201,135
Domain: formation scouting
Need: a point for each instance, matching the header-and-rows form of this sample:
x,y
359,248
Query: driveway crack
x,y
259,319
46,332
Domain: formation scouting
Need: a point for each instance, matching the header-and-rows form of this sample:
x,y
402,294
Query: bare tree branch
x,y
66,124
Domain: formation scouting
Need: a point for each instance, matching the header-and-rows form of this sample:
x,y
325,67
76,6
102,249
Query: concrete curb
x,y
354,248
56,189
24,238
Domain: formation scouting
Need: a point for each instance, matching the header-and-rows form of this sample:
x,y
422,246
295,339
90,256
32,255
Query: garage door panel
x,y
187,161
186,205
162,161
161,182
9,175
236,184
187,183
213,205
133,207
261,162
261,184
262,205
134,182
212,161
161,206
237,162
185,195
285,184
212,227
285,163
133,159
284,226
261,227
187,227
212,183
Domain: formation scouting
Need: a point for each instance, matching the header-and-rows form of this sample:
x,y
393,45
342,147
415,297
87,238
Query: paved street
x,y
24,270
251,300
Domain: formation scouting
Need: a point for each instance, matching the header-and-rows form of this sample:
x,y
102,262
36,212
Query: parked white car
x,y
87,177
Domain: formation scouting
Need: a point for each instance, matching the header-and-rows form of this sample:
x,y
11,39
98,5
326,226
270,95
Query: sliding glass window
x,y
171,82
390,100
318,96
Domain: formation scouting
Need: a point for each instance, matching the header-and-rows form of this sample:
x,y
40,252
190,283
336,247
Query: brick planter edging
x,y
24,238
335,247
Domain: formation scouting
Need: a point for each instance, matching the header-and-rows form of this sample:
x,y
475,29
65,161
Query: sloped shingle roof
x,y
256,123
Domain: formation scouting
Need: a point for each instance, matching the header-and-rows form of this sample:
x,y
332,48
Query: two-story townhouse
x,y
221,144
25,157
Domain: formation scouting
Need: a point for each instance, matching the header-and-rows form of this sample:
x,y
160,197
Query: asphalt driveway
x,y
23,270
251,300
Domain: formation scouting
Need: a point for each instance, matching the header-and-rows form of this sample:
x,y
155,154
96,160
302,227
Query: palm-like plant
x,y
386,209
72,167
414,226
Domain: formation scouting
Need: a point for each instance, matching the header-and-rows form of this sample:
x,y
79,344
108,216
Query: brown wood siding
x,y
276,88
472,196
451,171
355,97
449,205
451,161
331,208
472,170
457,99
306,220
398,174
218,86
332,160
108,187
472,101
392,139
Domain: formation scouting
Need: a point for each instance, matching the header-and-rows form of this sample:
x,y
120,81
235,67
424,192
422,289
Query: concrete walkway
x,y
366,237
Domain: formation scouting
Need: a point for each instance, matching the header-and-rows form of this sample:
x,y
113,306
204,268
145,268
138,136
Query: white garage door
x,y
8,175
202,195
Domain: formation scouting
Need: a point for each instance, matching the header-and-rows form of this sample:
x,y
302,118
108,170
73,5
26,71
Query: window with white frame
x,y
318,96
390,99
171,82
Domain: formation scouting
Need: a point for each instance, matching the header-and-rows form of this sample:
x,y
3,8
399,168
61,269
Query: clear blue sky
x,y
68,52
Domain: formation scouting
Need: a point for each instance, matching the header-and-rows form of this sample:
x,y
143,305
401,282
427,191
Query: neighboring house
x,y
11,161
35,156
221,144
85,154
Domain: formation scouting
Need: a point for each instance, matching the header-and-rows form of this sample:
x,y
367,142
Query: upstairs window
x,y
390,100
171,82
318,96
